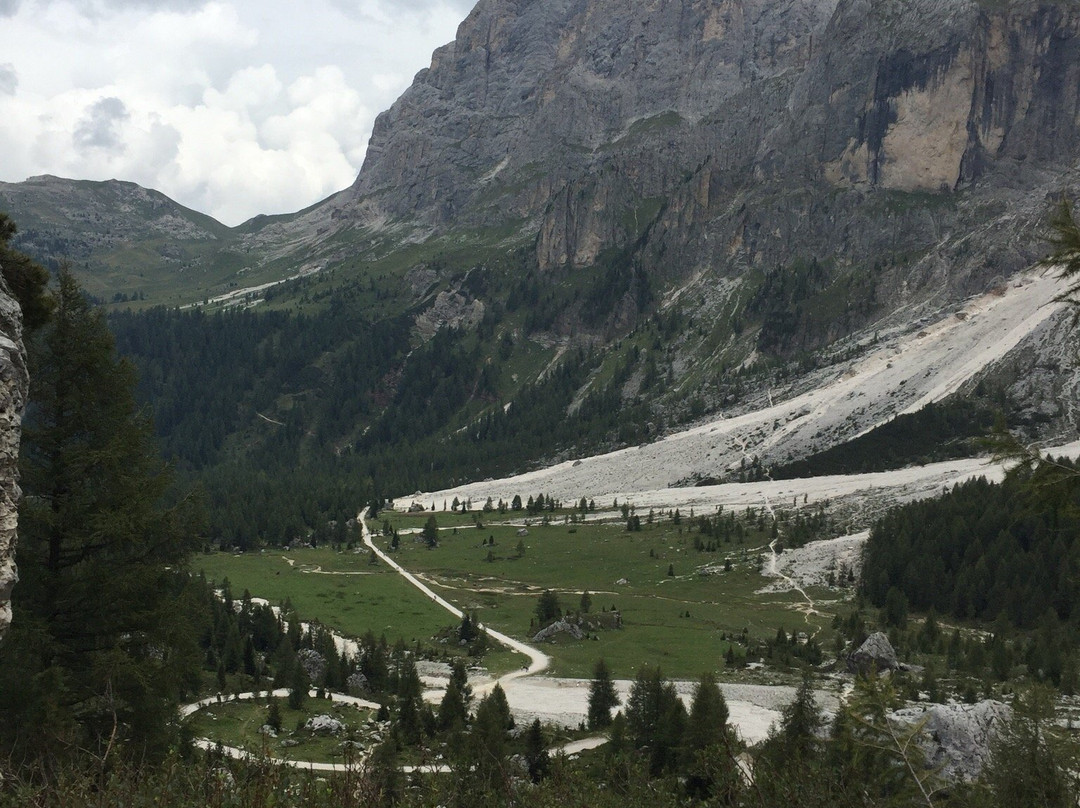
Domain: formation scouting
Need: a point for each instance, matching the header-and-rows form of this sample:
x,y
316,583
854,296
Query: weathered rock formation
x,y
956,738
711,138
313,663
558,627
14,383
875,655
324,725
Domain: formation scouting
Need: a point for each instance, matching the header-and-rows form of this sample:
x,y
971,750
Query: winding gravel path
x,y
538,661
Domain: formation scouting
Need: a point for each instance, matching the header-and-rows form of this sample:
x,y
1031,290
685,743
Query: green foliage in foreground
x,y
660,756
98,653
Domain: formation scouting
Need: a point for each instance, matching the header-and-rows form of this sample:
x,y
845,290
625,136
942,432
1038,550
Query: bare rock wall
x,y
14,383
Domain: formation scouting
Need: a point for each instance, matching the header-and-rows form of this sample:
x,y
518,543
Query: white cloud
x,y
233,108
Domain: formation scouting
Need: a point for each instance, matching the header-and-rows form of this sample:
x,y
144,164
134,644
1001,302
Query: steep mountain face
x,y
718,137
572,112
14,385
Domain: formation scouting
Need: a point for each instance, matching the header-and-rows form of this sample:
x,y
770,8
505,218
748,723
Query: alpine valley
x,y
744,297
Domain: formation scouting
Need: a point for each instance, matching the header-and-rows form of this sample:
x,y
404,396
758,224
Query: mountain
x,y
724,138
123,237
129,243
589,222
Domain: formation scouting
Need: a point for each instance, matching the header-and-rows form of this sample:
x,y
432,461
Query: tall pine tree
x,y
99,653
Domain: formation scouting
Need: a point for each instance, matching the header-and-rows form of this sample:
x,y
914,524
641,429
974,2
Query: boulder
x,y
875,654
324,725
313,662
556,628
357,683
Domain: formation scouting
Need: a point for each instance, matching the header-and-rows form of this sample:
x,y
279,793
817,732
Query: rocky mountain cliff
x,y
14,385
718,137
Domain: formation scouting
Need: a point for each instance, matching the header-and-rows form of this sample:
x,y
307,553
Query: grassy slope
x,y
503,592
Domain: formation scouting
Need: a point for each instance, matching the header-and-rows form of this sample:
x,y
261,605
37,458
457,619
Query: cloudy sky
x,y
231,107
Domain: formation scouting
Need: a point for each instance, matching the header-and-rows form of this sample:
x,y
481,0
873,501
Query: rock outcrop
x,y
14,384
555,629
324,725
956,738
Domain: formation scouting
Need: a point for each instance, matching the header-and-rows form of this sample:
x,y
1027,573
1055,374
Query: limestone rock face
x,y
710,138
956,738
14,384
572,113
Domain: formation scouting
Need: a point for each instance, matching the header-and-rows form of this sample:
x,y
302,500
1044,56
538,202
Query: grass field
x,y
237,724
343,591
674,620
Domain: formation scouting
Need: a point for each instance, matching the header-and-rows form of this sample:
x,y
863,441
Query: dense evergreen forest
x,y
938,431
1004,555
982,550
284,444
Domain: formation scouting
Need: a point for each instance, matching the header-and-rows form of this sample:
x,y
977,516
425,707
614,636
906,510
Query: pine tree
x,y
452,710
409,702
101,647
484,771
547,608
536,754
273,716
298,686
707,763
796,736
655,718
602,697
430,533
585,604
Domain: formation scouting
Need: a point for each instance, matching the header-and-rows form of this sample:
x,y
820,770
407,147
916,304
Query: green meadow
x,y
675,620
237,724
344,591
677,604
